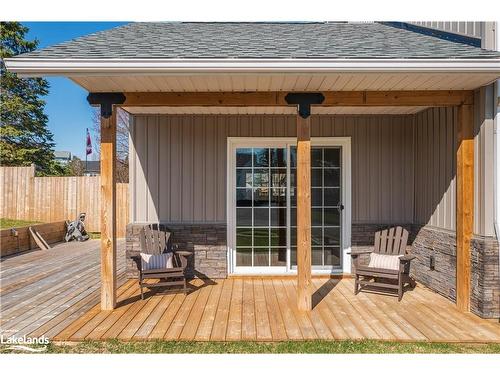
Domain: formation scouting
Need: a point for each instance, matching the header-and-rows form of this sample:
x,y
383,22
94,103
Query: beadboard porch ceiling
x,y
313,81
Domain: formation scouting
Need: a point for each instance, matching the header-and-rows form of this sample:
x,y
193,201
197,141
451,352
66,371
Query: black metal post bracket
x,y
106,100
304,100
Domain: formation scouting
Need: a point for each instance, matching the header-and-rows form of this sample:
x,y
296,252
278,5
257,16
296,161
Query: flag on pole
x,y
89,143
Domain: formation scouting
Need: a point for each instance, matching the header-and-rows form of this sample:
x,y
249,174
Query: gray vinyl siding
x,y
484,202
473,28
184,159
486,31
435,166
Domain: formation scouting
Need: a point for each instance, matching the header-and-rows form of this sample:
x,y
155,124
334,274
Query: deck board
x,y
56,294
222,315
262,327
248,319
233,332
207,320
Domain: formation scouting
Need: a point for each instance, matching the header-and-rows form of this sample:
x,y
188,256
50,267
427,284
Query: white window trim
x,y
232,143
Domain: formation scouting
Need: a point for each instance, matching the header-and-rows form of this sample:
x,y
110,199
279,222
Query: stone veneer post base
x,y
485,280
206,241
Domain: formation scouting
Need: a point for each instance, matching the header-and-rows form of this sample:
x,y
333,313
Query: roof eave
x,y
33,67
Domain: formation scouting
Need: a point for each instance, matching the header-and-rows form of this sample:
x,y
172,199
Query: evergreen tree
x,y
24,135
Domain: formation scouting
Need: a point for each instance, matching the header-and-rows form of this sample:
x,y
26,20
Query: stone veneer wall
x,y
441,244
485,280
206,241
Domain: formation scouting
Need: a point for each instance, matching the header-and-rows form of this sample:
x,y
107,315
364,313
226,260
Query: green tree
x,y
24,136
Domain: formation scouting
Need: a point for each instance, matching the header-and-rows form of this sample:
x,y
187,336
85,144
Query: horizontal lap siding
x,y
179,163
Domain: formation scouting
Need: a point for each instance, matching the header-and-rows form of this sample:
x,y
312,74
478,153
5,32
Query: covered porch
x,y
453,125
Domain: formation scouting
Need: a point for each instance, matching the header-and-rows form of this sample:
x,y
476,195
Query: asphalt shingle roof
x,y
259,40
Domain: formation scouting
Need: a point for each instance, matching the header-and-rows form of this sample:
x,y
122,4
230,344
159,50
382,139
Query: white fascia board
x,y
75,67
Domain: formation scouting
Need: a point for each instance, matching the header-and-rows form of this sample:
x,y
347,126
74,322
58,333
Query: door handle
x,y
340,207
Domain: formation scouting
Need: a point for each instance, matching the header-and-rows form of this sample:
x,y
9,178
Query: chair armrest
x,y
360,252
184,255
406,258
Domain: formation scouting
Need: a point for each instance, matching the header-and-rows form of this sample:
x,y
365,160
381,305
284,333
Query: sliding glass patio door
x,y
262,228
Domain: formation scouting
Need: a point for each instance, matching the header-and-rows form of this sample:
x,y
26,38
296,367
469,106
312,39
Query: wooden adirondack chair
x,y
388,242
155,241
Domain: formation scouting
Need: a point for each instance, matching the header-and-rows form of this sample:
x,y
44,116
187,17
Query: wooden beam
x,y
204,99
465,203
108,211
266,99
304,294
418,98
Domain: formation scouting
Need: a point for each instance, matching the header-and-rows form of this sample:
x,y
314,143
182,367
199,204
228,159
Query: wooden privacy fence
x,y
50,199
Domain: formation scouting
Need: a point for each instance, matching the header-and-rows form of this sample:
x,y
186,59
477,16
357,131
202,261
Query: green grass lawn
x,y
11,223
333,347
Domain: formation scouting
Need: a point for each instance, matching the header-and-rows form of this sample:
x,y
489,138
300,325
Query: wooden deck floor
x,y
56,294
41,292
265,310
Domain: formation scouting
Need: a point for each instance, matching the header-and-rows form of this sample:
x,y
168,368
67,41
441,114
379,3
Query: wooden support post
x,y
304,295
108,211
465,202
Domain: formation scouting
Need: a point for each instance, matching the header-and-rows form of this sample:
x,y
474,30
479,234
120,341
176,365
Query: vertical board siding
x,y
187,181
435,166
474,29
484,115
485,31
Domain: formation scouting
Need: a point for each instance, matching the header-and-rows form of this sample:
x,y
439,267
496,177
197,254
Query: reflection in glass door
x,y
261,196
265,213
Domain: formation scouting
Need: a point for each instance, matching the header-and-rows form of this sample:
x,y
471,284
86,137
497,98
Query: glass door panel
x,y
261,202
326,207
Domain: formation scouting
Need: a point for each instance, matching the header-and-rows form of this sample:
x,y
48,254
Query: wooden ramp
x,y
41,292
266,310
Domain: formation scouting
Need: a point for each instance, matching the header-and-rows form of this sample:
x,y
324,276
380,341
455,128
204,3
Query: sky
x,y
66,105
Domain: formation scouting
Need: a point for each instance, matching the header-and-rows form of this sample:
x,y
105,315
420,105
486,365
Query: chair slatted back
x,y
153,241
391,241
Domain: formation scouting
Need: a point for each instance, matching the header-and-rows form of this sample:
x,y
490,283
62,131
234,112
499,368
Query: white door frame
x,y
247,142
